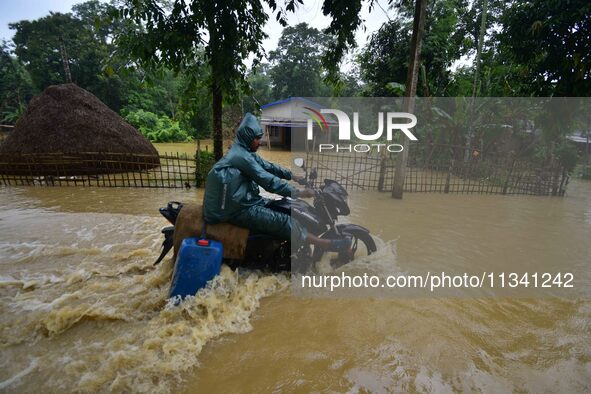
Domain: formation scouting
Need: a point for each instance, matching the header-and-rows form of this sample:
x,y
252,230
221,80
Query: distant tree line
x,y
137,58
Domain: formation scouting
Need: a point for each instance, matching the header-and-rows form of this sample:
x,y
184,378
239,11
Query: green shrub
x,y
567,156
141,119
157,128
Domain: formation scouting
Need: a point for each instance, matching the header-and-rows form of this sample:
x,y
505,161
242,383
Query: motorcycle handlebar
x,y
302,181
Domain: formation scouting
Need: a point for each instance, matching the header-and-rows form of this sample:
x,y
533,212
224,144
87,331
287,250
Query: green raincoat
x,y
232,188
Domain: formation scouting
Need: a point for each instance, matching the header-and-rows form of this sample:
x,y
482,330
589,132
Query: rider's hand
x,y
305,193
299,179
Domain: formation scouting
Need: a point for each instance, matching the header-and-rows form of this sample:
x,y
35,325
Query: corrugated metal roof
x,y
574,138
287,100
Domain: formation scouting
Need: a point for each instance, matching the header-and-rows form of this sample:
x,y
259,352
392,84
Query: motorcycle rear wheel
x,y
358,235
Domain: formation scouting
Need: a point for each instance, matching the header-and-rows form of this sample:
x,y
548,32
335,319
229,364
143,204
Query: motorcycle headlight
x,y
335,197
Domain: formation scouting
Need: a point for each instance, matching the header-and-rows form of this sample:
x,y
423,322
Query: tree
x,y
157,128
16,88
77,44
550,43
296,63
410,90
39,43
260,84
229,31
348,84
159,92
194,106
384,61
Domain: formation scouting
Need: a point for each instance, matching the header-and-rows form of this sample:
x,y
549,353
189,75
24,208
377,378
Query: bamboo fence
x,y
441,173
98,170
439,169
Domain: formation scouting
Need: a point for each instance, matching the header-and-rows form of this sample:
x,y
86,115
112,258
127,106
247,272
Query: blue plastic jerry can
x,y
199,261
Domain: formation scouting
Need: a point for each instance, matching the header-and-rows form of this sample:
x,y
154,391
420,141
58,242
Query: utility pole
x,y
410,92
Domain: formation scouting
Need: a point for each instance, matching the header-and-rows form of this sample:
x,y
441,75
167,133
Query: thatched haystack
x,y
67,130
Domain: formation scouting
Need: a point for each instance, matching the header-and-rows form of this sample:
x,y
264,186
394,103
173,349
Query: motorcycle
x,y
265,252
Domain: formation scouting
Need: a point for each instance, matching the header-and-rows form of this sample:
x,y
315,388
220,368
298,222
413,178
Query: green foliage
x,y
104,68
195,109
180,96
532,47
347,84
12,115
168,130
141,119
567,155
206,162
175,33
296,63
345,19
442,45
39,45
79,39
157,128
16,88
160,92
550,42
384,60
260,93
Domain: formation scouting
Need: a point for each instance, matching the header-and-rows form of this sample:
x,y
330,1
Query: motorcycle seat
x,y
189,223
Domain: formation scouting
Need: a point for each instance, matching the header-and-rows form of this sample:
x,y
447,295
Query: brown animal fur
x,y
189,223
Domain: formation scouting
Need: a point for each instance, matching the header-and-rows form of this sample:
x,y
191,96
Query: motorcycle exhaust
x,y
171,212
168,242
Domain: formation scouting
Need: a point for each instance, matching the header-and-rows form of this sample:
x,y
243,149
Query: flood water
x,y
83,309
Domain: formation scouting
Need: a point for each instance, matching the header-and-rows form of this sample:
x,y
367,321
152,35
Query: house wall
x,y
296,139
291,112
275,134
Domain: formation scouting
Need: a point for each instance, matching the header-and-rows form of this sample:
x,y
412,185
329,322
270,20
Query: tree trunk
x,y
587,145
410,92
476,87
65,60
216,106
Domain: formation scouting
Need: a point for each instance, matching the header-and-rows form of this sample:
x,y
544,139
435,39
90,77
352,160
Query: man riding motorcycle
x,y
232,191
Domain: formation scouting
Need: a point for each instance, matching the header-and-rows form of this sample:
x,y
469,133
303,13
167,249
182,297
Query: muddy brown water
x,y
83,309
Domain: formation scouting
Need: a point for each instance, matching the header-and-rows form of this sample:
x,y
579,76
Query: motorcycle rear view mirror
x,y
299,162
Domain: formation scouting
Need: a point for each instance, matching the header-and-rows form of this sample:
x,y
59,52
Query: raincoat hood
x,y
248,130
233,183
